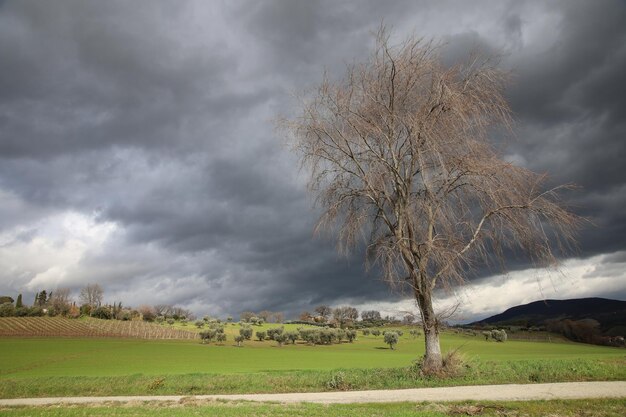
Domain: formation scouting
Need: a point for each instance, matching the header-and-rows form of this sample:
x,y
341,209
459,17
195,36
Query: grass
x,y
571,408
55,366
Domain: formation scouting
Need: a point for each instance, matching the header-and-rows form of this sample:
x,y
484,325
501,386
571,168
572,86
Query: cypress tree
x,y
18,303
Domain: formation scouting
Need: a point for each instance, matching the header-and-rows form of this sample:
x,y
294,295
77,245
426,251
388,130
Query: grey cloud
x,y
157,118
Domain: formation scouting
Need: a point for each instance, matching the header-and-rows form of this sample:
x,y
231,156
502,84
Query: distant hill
x,y
609,313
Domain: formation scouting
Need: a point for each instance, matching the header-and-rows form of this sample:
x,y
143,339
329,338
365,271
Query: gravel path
x,y
513,392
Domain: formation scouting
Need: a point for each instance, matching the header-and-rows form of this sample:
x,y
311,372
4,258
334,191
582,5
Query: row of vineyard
x,y
59,326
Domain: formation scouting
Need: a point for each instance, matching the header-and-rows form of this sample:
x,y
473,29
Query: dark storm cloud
x,y
157,119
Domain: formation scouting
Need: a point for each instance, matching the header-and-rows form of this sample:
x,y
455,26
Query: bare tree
x,y
60,300
345,314
278,317
400,156
91,295
324,311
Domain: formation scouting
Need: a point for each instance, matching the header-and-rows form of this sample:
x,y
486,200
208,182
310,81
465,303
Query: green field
x,y
116,366
28,357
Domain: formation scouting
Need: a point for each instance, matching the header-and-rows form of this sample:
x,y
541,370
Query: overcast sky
x,y
137,148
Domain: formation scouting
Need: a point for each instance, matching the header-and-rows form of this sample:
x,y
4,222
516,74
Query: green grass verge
x,y
571,408
473,373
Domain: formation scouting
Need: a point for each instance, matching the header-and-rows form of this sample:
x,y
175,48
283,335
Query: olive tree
x,y
400,154
391,338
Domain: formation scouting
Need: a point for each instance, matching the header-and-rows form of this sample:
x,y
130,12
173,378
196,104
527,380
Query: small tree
x,y
246,316
371,315
246,332
199,324
292,337
280,338
261,335
208,335
92,295
366,332
391,338
239,340
499,335
375,332
221,337
351,335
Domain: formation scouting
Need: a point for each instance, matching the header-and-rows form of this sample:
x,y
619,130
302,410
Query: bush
x,y
391,338
375,332
415,333
35,312
499,335
171,321
239,339
400,333
199,324
292,337
221,337
7,310
311,336
487,334
160,319
273,332
351,335
208,335
261,336
281,338
101,313
366,332
246,332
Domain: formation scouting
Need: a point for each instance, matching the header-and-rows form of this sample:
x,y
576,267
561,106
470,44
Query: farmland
x,y
47,366
87,327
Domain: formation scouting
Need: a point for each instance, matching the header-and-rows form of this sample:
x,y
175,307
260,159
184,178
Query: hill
x,y
609,313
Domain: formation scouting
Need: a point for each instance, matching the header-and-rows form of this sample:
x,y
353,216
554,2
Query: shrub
x,y
499,335
487,334
170,321
221,337
273,332
415,333
35,312
160,319
261,336
292,337
7,310
311,336
338,382
208,335
400,333
246,332
199,324
239,339
351,335
391,338
375,332
366,332
101,313
281,338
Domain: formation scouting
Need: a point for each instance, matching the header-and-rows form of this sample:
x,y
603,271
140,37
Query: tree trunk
x,y
432,358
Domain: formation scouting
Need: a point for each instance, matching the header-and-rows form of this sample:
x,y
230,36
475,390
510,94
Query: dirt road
x,y
513,392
